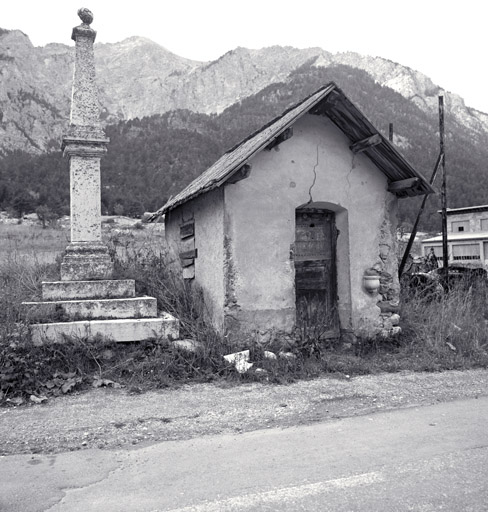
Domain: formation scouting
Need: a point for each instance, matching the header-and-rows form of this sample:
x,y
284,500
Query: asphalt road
x,y
422,459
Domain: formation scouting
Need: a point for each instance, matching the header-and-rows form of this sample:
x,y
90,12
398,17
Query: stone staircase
x,y
106,308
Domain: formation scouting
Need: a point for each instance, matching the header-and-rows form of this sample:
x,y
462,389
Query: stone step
x,y
90,309
165,326
72,290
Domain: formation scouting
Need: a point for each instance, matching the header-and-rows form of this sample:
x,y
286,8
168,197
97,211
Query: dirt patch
x,y
114,418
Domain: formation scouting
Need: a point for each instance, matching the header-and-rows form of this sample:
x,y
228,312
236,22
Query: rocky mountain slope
x,y
138,77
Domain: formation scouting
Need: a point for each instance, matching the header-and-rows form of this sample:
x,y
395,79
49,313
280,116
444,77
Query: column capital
x,y
81,146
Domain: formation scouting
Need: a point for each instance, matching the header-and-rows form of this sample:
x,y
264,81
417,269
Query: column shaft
x,y
85,199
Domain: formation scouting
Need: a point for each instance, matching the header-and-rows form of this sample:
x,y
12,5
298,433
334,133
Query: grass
x,y
31,242
447,331
444,332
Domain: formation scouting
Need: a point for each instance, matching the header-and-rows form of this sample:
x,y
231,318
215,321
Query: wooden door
x,y
315,272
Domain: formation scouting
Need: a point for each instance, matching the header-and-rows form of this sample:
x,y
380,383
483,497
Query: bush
x,y
20,280
154,276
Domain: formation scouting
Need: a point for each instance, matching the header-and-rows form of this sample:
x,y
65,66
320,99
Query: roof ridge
x,y
277,118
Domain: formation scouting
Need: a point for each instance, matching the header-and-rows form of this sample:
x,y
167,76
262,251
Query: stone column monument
x,y
86,256
87,303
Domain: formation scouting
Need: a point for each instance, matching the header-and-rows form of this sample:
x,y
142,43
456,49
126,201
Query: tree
x,y
134,208
22,203
47,216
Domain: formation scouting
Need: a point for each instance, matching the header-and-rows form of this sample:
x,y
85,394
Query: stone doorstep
x,y
124,330
133,307
72,290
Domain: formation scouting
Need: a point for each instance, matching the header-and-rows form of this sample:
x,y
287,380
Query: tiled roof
x,y
328,100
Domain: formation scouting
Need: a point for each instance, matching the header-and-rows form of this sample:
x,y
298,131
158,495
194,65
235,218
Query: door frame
x,y
309,318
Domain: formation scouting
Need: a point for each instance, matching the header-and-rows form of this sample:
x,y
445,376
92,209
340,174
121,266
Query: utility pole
x,y
390,132
413,234
445,254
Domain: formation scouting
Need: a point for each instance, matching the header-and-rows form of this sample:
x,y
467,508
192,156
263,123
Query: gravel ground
x,y
109,418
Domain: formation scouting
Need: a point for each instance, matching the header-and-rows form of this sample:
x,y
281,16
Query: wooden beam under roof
x,y
328,105
403,185
284,135
364,144
241,174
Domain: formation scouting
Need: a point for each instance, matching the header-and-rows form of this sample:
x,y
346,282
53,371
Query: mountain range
x,y
147,92
137,78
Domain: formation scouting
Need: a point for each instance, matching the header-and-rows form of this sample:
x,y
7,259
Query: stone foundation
x,y
387,298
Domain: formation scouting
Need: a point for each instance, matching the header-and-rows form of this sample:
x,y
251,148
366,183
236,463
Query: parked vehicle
x,y
459,275
435,282
423,284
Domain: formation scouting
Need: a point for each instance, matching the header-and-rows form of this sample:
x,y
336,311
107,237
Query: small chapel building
x,y
295,227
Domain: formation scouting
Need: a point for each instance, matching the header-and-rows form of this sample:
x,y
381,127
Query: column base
x,y
85,261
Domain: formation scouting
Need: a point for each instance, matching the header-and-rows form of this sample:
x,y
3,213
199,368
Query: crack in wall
x,y
314,170
353,166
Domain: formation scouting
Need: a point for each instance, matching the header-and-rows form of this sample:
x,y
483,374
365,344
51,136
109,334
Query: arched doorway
x,y
316,272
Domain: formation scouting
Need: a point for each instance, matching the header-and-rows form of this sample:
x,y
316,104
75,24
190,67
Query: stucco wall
x,y
314,165
208,215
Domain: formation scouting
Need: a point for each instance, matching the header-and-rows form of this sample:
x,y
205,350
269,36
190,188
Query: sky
x,y
445,40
